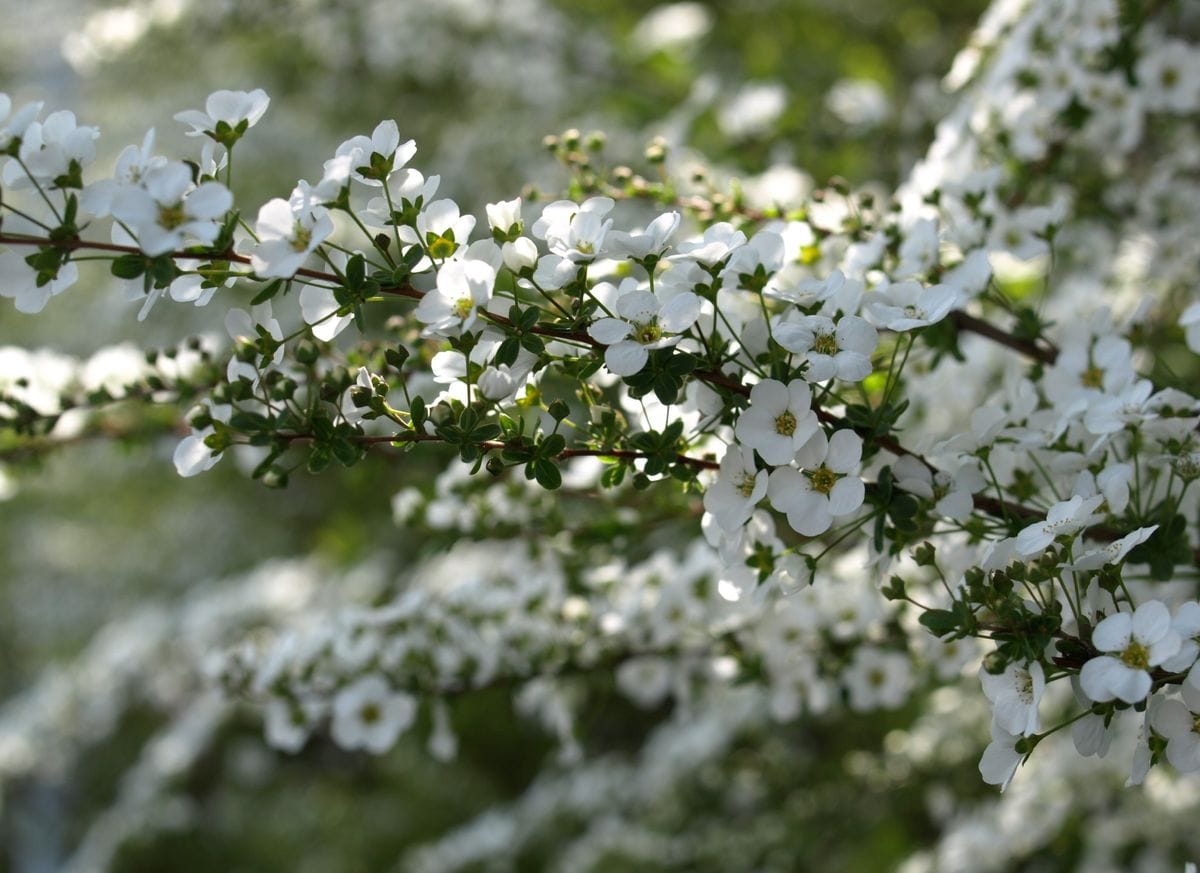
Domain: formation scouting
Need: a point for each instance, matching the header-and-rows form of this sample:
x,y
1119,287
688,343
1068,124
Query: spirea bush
x,y
947,430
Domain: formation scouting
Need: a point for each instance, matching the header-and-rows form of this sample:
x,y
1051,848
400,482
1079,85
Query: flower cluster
x,y
832,385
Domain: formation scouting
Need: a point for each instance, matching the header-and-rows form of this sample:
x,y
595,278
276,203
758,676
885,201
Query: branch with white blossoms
x,y
842,376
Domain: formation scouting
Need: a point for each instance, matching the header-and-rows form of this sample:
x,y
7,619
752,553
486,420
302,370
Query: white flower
x,y
828,487
521,254
192,457
646,681
1140,642
288,724
878,679
1015,695
1169,76
462,288
1001,758
1186,623
575,231
1063,519
15,126
368,714
288,232
908,305
504,218
132,165
648,244
19,281
49,148
167,209
738,489
718,242
842,350
1114,552
643,324
557,217
1178,721
226,115
1109,415
779,420
318,307
408,191
441,230
374,158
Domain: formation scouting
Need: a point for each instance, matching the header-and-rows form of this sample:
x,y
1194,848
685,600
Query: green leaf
x,y
546,474
552,446
128,266
418,412
267,292
939,621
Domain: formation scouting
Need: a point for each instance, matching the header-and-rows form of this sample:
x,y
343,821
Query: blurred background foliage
x,y
834,87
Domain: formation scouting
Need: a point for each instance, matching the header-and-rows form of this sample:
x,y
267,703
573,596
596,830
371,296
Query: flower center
x,y
647,333
1187,467
745,485
463,307
1024,686
876,678
171,217
585,248
301,237
809,254
1092,377
785,424
1136,656
1196,724
370,713
825,344
823,479
913,312
442,247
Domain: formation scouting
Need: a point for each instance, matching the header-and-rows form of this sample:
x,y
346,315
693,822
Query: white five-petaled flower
x,y
49,148
231,107
649,243
908,305
779,421
1178,721
14,127
738,489
132,164
642,324
368,714
1063,519
556,219
1114,552
20,281
718,241
878,679
1015,695
288,232
441,229
1138,642
463,286
828,487
575,231
841,350
373,158
166,209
